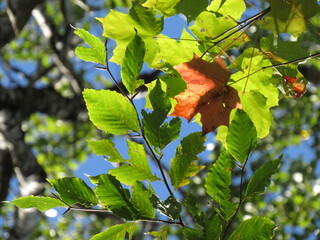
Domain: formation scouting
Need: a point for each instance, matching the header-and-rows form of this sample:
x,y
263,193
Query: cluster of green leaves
x,y
126,190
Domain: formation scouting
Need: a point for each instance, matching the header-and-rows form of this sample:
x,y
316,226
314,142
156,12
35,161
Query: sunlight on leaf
x,y
256,228
104,106
74,190
96,53
206,93
117,232
41,203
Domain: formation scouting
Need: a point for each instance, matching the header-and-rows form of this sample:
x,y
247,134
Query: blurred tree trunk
x,y
15,18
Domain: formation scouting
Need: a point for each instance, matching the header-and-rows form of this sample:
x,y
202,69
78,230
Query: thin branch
x,y
278,65
166,182
140,124
241,25
83,209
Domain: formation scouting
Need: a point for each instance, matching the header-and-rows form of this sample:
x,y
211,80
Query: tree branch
x,y
15,18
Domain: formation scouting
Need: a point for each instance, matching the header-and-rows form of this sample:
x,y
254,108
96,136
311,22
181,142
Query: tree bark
x,y
15,18
16,157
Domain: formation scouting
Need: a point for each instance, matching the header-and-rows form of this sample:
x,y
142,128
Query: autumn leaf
x,y
206,93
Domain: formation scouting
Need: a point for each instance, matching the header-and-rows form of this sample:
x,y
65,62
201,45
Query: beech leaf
x,y
206,93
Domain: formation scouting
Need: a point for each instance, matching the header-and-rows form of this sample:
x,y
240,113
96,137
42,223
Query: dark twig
x,y
278,65
241,25
142,132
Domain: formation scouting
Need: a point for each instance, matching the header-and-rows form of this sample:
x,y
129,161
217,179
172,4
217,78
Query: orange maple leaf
x,y
206,93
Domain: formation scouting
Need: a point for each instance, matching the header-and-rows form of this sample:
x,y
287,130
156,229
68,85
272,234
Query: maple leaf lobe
x,y
206,93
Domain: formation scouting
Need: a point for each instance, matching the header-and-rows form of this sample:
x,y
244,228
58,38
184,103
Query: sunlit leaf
x,y
175,52
132,64
141,201
223,7
112,195
218,182
129,174
251,61
218,18
96,50
137,166
256,228
105,147
255,105
121,27
162,234
242,136
206,93
117,232
74,190
110,111
166,7
41,203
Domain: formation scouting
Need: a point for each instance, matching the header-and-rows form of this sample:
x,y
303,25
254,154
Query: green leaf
x,y
182,166
281,51
132,64
223,7
166,7
191,9
256,228
117,232
138,155
174,52
171,207
242,136
255,105
251,61
218,18
160,103
41,203
121,27
138,166
213,228
141,201
111,194
193,234
175,83
105,147
74,190
162,234
96,53
111,112
158,133
129,174
191,204
218,182
261,178
290,16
